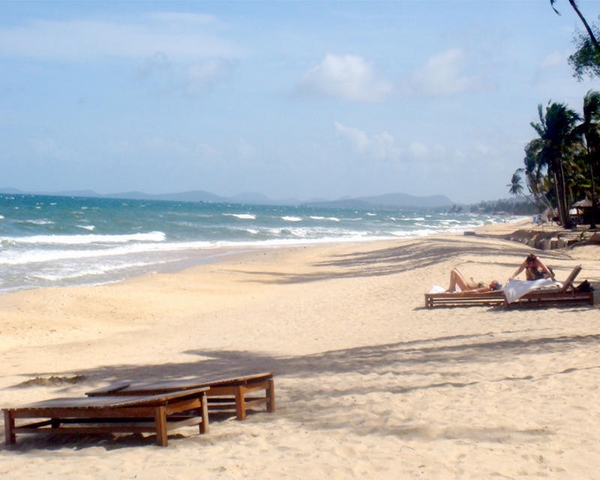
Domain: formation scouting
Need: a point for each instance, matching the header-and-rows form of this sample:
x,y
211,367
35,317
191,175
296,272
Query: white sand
x,y
369,383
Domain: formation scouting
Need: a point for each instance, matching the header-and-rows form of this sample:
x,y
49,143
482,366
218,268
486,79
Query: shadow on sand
x,y
382,369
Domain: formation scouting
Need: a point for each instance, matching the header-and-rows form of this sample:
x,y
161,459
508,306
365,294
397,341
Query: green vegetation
x,y
505,207
562,164
586,60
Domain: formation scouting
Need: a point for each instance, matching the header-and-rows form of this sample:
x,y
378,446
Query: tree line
x,y
562,164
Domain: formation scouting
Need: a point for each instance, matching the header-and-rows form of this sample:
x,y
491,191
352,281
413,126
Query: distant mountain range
x,y
391,200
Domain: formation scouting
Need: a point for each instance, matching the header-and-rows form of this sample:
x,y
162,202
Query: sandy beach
x,y
369,383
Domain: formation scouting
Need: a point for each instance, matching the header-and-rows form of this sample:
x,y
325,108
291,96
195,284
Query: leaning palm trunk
x,y
537,197
561,197
555,143
586,25
593,219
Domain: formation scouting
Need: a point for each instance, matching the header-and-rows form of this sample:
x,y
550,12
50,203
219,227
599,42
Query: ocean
x,y
51,241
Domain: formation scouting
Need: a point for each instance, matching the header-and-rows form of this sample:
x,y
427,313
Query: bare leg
x,y
457,280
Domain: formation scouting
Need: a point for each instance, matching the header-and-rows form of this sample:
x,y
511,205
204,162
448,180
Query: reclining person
x,y
457,279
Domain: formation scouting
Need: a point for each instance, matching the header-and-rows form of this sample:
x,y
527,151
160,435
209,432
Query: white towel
x,y
515,289
437,289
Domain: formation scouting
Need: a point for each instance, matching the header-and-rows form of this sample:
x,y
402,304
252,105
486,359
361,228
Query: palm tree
x,y
557,138
589,129
516,188
539,185
535,185
583,20
586,59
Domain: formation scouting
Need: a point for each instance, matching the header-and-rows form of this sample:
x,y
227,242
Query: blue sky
x,y
304,99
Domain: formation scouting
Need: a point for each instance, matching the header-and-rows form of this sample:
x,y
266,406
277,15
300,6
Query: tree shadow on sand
x,y
420,253
309,392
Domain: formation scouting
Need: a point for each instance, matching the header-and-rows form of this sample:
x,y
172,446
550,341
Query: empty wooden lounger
x,y
157,414
227,394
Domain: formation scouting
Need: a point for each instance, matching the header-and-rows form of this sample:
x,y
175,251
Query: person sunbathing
x,y
458,283
534,269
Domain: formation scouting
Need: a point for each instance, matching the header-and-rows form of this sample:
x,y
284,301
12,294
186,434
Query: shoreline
x,y
361,366
113,240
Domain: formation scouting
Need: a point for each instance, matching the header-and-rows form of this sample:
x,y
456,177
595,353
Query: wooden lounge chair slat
x,y
461,299
233,390
135,414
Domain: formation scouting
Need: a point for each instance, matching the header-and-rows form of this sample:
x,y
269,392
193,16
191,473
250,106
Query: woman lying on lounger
x,y
457,279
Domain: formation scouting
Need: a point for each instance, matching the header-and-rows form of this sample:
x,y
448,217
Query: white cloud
x,y
443,75
381,146
202,76
555,59
483,149
419,150
345,77
431,154
356,137
178,36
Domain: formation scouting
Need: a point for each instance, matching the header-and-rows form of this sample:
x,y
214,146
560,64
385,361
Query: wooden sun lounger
x,y
464,299
228,394
157,414
556,297
540,298
564,296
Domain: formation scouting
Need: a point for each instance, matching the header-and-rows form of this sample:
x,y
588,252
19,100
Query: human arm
x,y
544,268
519,270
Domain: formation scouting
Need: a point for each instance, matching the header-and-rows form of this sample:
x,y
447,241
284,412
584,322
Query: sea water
x,y
59,241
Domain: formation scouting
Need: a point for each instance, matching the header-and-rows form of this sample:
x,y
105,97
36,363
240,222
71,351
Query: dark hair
x,y
531,258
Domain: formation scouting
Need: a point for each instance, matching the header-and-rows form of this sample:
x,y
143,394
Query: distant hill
x,y
391,200
192,196
402,200
260,199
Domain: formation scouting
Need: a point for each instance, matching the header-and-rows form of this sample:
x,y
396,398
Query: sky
x,y
290,99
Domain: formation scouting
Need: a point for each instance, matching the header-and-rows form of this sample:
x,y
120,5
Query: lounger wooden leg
x,y
160,419
204,409
271,395
240,403
9,429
